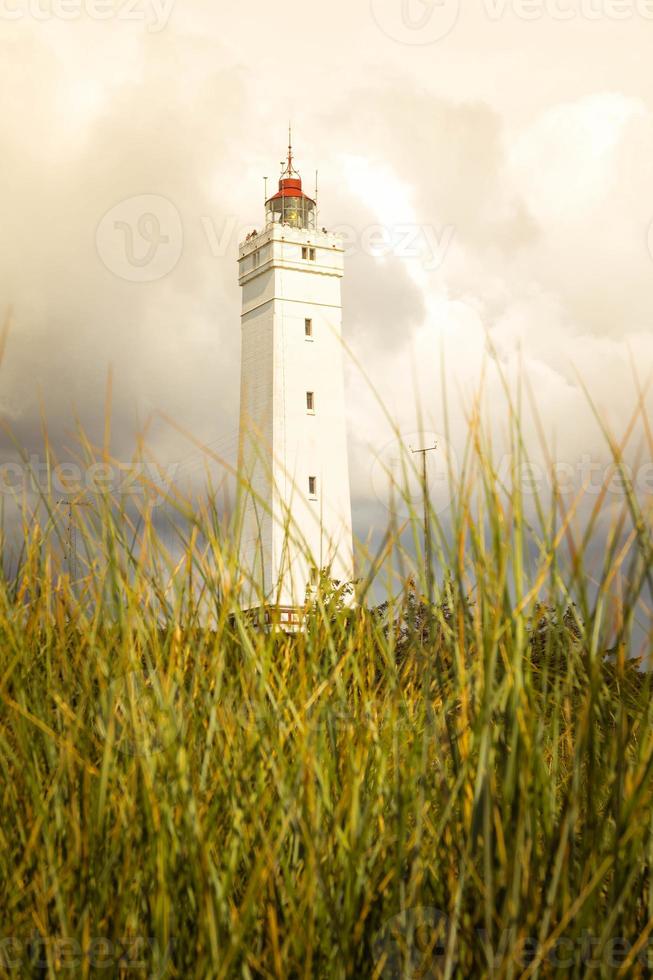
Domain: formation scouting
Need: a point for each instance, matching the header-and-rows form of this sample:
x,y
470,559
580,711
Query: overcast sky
x,y
490,166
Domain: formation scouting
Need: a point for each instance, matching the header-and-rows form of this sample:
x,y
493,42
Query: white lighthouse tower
x,y
293,470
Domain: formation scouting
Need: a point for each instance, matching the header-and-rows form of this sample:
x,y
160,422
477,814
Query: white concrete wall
x,y
281,443
256,445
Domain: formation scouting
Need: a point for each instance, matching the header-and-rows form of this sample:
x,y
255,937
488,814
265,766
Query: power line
x,y
428,554
71,536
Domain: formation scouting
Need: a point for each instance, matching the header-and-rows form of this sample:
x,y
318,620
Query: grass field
x,y
460,787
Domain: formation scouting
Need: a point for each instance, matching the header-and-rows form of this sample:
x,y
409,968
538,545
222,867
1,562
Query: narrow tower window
x,y
310,401
312,486
308,329
311,254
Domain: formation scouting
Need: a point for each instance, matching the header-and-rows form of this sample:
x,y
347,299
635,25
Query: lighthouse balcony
x,y
291,248
280,233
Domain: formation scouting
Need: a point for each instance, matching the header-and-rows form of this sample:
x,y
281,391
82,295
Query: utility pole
x,y
71,536
428,551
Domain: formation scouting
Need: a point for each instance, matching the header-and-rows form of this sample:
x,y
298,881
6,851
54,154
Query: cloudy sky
x,y
488,164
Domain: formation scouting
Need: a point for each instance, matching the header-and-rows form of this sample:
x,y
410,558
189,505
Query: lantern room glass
x,y
296,212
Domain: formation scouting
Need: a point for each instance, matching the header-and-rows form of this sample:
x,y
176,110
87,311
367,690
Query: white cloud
x,y
565,162
546,188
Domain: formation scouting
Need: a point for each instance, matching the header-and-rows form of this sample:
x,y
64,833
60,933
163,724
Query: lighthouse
x,y
295,505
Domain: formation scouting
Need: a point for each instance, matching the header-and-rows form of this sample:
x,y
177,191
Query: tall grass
x,y
450,785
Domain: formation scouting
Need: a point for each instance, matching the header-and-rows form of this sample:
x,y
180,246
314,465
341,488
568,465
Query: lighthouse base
x,y
272,619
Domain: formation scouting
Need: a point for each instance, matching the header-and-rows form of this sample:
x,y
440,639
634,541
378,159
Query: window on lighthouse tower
x,y
310,401
312,486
